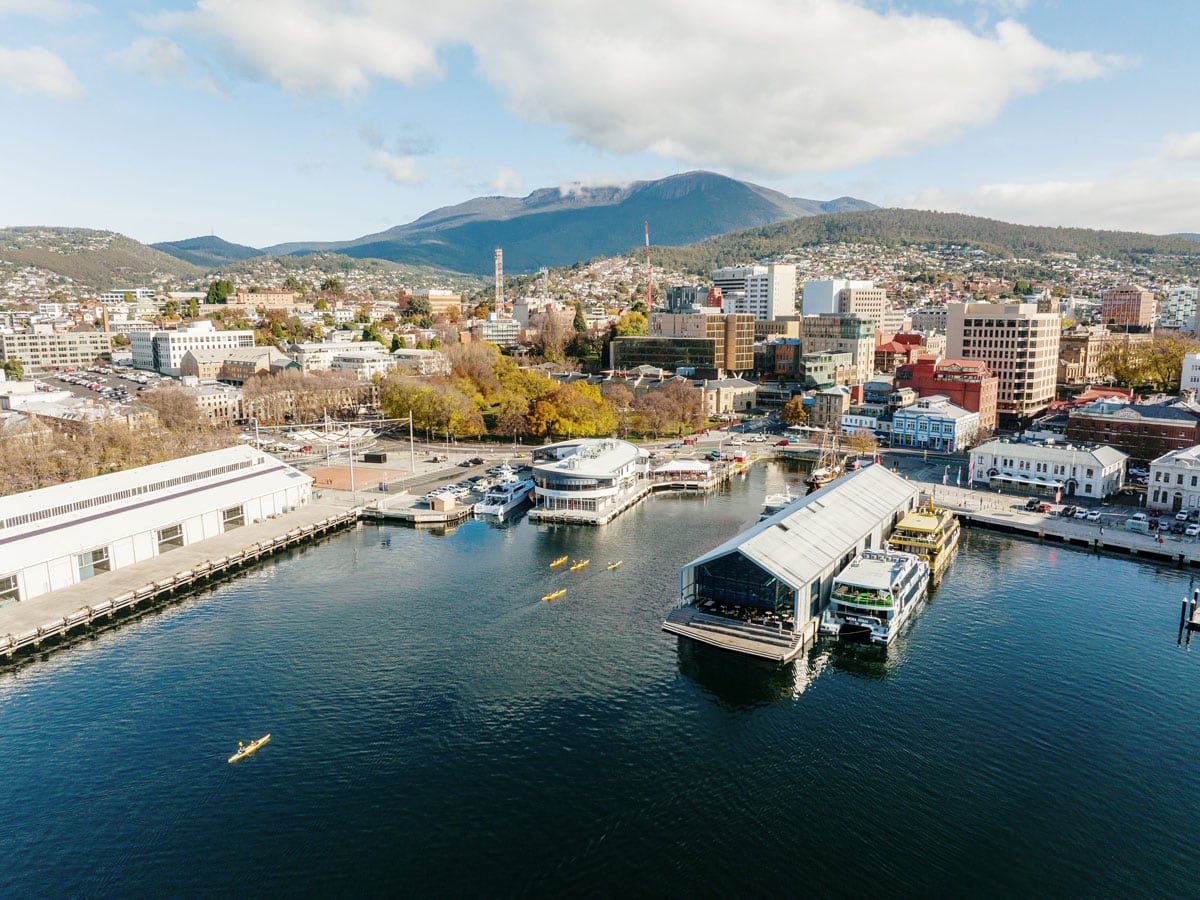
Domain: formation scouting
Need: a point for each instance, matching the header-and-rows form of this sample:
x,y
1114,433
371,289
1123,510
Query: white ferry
x,y
874,595
504,496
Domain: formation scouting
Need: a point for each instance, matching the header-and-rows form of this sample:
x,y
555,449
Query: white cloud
x,y
506,181
46,10
157,59
401,170
1181,147
35,70
1153,195
759,86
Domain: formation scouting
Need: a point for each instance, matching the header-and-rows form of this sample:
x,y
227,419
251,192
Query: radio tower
x,y
499,277
649,273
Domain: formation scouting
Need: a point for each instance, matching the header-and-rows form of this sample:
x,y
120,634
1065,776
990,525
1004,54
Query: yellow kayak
x,y
558,562
617,563
579,565
554,595
249,749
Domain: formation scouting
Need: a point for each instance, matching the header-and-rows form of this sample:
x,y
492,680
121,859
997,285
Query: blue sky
x,y
266,121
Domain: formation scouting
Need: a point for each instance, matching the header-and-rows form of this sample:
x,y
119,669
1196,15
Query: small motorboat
x,y
579,565
558,562
617,563
249,749
554,595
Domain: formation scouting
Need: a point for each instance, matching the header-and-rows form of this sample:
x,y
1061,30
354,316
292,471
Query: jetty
x,y
106,597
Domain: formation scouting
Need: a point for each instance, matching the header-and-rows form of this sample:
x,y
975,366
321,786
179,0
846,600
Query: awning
x,y
1025,479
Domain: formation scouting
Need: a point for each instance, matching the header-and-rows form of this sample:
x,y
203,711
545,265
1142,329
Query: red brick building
x,y
1129,305
968,383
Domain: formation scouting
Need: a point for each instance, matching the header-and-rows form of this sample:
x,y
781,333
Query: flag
x,y
1058,496
958,477
946,476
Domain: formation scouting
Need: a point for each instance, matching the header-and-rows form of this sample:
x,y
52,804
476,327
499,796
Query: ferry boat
x,y
505,496
929,531
875,594
249,749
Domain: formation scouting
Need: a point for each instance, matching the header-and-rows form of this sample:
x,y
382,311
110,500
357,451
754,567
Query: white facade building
x,y
590,476
934,423
163,351
365,360
1045,468
421,362
1178,310
58,536
824,295
1174,482
1190,377
765,295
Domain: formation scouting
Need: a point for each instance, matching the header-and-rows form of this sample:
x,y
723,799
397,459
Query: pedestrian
x,y
1102,529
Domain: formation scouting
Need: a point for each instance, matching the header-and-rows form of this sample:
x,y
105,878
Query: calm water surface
x,y
437,730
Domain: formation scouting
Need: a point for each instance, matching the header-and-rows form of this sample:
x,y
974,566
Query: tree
x,y
219,291
419,307
580,322
292,283
632,324
333,285
14,369
863,442
793,412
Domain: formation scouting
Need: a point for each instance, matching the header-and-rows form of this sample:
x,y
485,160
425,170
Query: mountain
x,y
103,260
1186,235
556,227
897,227
210,252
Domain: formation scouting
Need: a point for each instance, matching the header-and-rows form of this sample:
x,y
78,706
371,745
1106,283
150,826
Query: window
x,y
234,517
9,589
94,562
170,538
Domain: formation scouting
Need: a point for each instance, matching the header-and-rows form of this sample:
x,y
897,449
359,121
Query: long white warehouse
x,y
58,536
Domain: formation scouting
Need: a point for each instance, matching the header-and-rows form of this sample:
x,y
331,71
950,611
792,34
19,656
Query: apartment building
x,y
163,351
1127,306
1018,342
732,334
841,333
56,350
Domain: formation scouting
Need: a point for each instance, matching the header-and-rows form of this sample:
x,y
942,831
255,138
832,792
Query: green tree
x,y
580,322
14,369
333,285
219,291
419,307
632,324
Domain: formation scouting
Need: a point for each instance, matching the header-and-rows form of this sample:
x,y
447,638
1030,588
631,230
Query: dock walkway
x,y
28,623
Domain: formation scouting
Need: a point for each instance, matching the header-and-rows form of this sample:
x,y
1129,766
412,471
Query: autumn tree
x,y
863,442
794,412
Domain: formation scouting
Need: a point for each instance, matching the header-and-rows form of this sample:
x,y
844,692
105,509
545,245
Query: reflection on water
x,y
744,682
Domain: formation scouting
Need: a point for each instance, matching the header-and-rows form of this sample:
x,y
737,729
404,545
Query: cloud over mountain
x,y
818,84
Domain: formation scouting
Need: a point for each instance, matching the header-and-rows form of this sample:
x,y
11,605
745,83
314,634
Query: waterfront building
x,y
841,333
966,382
1128,306
1174,482
163,351
1143,430
1045,469
762,592
828,408
1018,342
42,348
594,477
61,535
934,423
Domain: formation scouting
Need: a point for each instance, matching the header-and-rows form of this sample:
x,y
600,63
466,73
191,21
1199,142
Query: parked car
x,y
1181,516
1068,512
1094,516
1139,517
674,445
1179,527
1031,503
1081,513
1192,530
1155,513
784,443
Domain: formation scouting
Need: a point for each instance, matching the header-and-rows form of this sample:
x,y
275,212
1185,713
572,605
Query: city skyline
x,y
302,121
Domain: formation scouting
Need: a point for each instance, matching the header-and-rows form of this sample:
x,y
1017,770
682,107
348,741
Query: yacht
x,y
875,594
504,496
929,531
773,503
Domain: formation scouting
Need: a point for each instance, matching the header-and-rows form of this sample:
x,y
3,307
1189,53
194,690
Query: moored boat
x,y
504,496
929,531
249,749
773,503
875,594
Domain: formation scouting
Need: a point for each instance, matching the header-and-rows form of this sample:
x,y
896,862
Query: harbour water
x,y
438,730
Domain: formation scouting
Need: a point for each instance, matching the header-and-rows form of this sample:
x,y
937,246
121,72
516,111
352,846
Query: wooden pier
x,y
26,625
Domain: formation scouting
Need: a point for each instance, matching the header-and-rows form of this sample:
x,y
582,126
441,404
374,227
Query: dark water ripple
x,y
438,730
